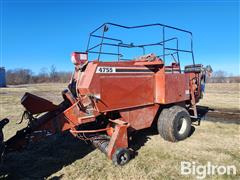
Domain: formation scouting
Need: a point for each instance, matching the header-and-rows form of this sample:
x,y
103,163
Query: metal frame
x,y
119,43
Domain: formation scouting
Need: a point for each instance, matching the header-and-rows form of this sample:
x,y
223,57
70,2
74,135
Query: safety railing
x,y
120,44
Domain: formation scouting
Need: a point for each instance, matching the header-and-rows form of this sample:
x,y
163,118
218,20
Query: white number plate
x,y
106,70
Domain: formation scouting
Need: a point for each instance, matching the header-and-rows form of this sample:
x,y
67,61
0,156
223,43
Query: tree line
x,y
223,77
26,76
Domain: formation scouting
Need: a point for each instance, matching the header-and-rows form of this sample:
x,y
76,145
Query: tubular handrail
x,y
121,44
141,26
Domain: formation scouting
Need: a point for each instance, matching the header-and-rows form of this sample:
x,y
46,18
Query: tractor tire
x,y
121,157
174,124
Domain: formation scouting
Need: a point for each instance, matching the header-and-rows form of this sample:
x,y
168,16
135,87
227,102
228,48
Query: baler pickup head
x,y
36,105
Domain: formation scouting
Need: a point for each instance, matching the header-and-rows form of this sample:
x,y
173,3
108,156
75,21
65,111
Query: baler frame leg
x,y
119,138
115,146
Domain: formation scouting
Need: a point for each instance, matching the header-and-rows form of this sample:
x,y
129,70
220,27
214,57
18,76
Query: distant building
x,y
2,77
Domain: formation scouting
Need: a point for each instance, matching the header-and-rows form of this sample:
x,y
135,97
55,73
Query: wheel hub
x,y
182,126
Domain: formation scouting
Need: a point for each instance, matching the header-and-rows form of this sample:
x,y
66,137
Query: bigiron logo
x,y
201,171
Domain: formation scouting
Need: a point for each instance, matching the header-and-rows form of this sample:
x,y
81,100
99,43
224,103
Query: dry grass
x,y
222,96
65,157
10,101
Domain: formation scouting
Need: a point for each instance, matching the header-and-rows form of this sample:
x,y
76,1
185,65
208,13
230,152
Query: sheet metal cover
x,y
36,105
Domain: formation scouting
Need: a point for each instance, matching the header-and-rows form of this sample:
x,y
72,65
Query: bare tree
x,y
19,76
64,77
53,73
42,77
223,77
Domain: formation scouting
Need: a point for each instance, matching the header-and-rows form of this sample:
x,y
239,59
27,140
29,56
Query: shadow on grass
x,y
203,110
139,138
45,158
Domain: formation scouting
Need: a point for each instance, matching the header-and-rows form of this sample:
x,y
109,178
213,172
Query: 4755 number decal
x,y
106,70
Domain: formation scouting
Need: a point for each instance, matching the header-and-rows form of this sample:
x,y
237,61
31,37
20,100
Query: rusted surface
x,y
113,98
140,117
176,88
90,131
121,92
134,89
36,105
69,96
171,88
76,116
119,138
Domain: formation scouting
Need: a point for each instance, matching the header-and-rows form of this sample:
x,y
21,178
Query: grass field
x,y
222,96
63,156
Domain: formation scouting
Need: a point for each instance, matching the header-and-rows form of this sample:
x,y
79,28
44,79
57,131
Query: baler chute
x,y
106,101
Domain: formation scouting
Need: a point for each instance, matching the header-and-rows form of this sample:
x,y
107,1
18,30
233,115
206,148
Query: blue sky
x,y
38,34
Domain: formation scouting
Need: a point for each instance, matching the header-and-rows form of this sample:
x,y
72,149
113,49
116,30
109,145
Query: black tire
x,y
174,124
121,156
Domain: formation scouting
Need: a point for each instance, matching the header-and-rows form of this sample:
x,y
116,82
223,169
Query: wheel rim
x,y
182,125
123,158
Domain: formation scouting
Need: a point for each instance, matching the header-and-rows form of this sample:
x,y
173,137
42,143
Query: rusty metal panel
x,y
86,78
119,139
171,88
140,117
160,88
176,88
119,91
36,105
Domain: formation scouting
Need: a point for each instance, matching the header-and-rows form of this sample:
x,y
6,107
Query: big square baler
x,y
107,101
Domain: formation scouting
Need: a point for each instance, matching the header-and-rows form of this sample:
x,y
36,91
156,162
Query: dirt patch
x,y
224,117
